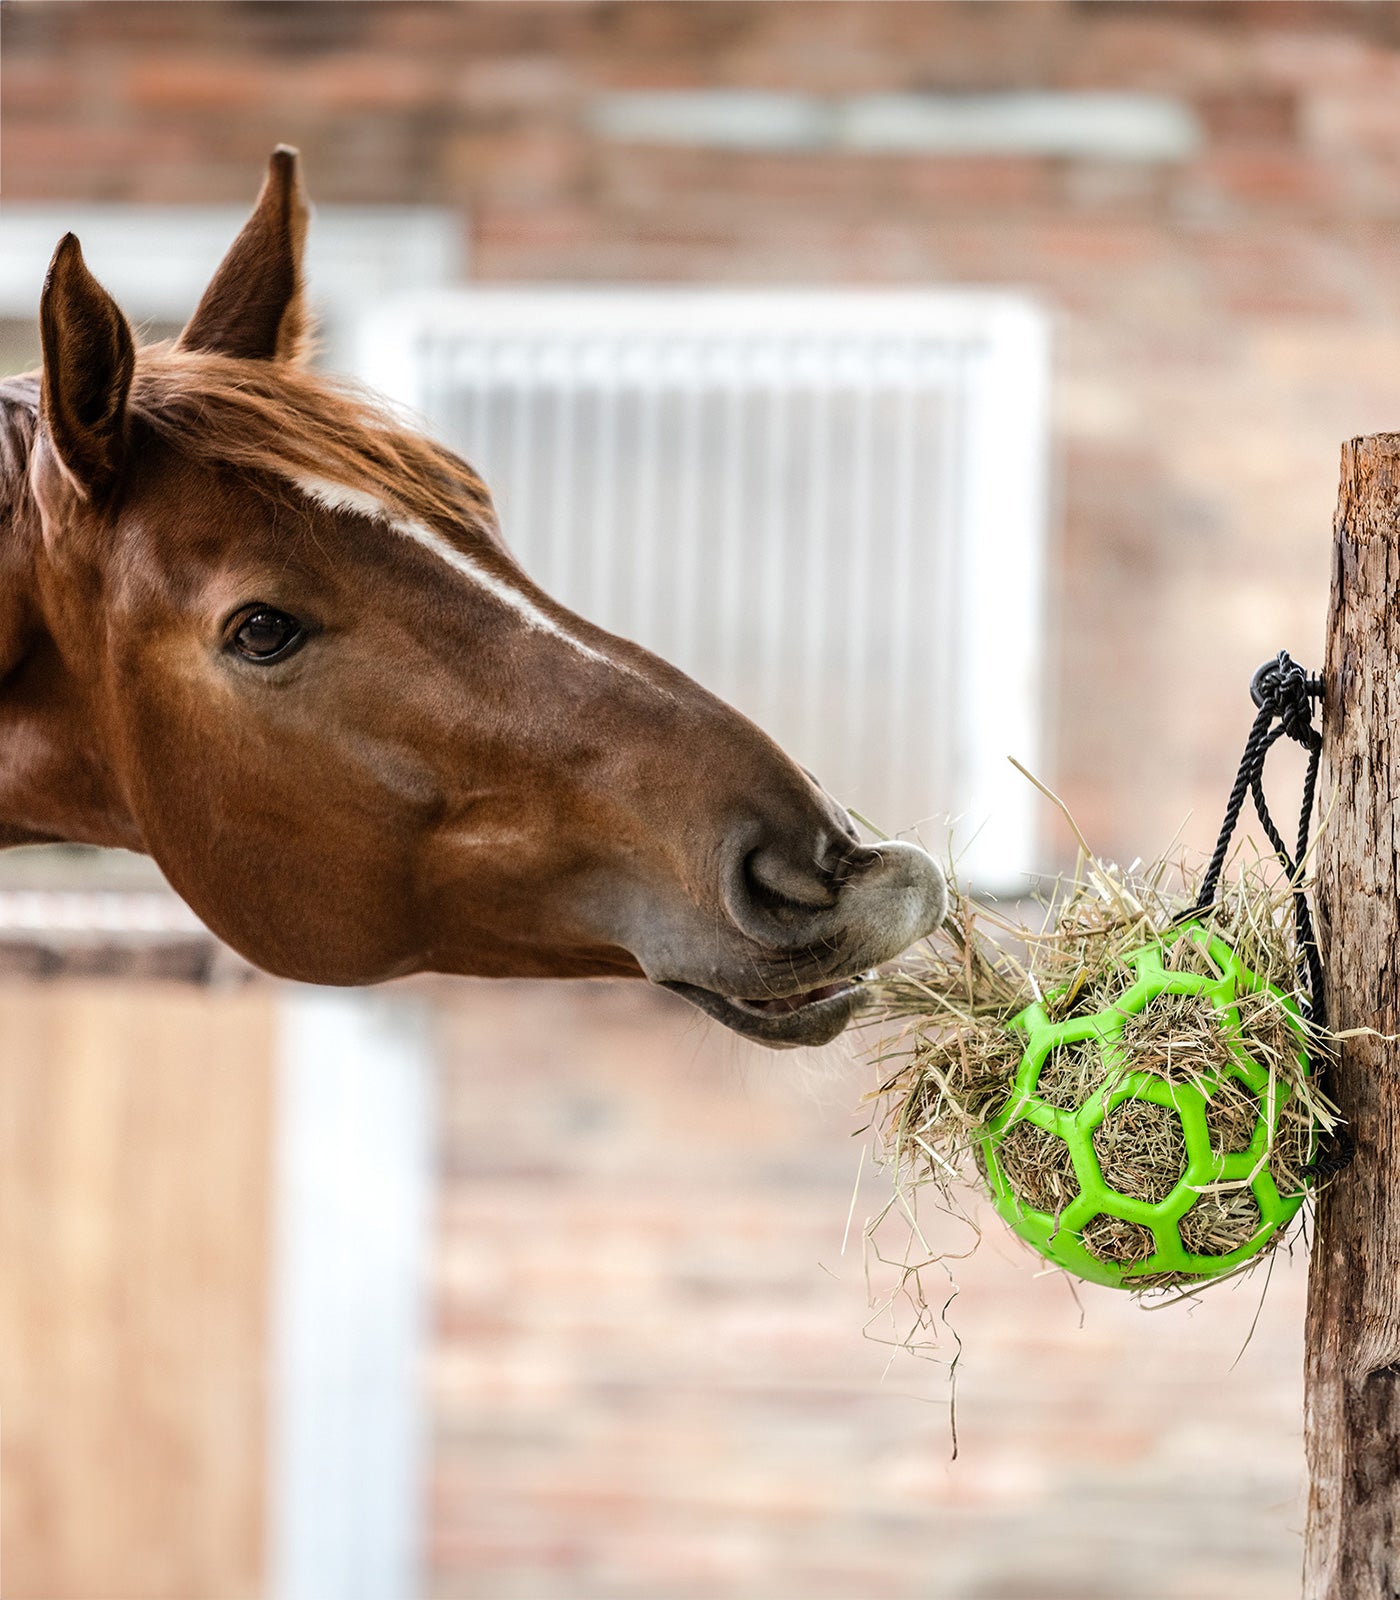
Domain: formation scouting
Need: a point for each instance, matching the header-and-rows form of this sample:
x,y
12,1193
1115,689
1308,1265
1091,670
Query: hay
x,y
954,1060
1141,1150
1112,1240
1037,1164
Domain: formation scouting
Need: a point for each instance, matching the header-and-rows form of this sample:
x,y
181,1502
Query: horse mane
x,y
269,417
19,418
263,417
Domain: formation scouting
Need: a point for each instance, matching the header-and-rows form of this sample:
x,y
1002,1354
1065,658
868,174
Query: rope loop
x,y
1284,695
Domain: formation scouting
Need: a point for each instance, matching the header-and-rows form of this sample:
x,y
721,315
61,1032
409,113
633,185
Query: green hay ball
x,y
1060,1238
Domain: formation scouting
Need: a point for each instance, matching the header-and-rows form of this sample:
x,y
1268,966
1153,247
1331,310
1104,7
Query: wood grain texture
x,y
135,1131
1353,1333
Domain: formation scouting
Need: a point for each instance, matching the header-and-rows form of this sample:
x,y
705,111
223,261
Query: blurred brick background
x,y
1224,320
651,1378
646,1380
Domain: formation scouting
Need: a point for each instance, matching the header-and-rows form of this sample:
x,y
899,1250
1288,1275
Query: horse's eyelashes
x,y
263,634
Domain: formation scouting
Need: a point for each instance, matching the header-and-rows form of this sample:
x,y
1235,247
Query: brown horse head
x,y
254,625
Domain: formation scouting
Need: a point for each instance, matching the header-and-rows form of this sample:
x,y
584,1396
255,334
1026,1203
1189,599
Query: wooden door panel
x,y
135,1147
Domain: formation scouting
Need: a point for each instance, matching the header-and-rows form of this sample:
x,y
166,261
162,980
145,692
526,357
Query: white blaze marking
x,y
341,497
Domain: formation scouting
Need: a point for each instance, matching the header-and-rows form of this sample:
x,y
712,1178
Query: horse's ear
x,y
254,305
89,358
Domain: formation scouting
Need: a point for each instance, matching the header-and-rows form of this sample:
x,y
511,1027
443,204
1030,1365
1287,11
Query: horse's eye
x,y
265,634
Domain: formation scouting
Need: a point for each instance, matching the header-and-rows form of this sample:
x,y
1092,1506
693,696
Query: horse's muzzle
x,y
790,994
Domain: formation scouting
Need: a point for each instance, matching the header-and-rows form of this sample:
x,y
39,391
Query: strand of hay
x,y
950,1062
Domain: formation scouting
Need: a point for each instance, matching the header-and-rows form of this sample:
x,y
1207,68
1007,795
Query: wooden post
x,y
1353,1330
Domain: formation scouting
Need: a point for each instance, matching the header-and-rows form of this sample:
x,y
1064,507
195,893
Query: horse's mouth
x,y
813,1016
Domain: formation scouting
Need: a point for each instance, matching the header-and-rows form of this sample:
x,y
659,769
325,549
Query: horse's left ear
x,y
255,306
89,358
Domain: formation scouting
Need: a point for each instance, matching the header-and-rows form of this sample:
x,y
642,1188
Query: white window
x,y
829,507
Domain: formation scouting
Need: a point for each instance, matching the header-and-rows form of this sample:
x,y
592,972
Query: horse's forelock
x,y
268,417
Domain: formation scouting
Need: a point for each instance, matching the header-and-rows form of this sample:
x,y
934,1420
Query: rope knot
x,y
1282,687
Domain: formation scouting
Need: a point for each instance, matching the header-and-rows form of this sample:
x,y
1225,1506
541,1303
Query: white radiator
x,y
829,507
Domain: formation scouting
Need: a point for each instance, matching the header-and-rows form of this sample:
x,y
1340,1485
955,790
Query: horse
x,y
258,626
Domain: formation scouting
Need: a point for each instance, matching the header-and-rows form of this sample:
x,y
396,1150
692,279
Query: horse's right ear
x,y
89,357
254,306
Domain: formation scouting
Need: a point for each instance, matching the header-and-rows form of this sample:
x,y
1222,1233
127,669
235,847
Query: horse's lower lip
x,y
812,1016
783,1004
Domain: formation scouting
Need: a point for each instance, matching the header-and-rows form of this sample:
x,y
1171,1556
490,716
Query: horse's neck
x,y
41,768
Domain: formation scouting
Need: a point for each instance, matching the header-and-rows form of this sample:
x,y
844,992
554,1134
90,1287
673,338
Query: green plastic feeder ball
x,y
1113,1208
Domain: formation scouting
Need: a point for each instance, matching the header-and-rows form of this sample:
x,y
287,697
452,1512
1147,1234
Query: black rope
x,y
1284,695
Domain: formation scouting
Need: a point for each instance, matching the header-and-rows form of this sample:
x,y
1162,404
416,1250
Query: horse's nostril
x,y
778,880
850,859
